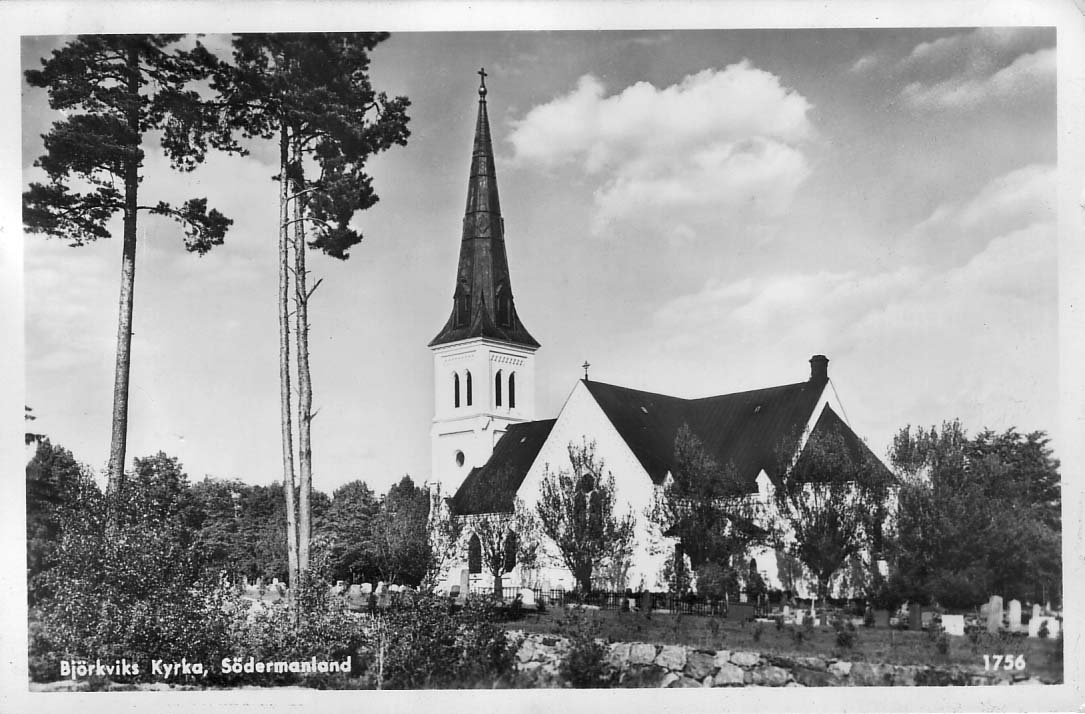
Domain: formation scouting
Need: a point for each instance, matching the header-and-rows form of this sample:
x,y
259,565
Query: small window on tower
x,y
463,307
504,306
468,388
456,391
497,388
512,390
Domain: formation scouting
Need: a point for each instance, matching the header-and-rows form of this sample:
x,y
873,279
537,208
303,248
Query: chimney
x,y
819,368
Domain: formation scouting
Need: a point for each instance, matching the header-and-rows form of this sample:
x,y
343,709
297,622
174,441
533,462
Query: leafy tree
x,y
979,515
114,90
56,485
312,93
349,526
705,507
577,510
443,531
400,534
506,539
833,501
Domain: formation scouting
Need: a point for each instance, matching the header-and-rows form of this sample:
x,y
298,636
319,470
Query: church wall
x,y
581,416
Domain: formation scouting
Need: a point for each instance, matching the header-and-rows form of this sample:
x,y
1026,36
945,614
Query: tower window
x,y
456,391
512,390
474,554
504,306
460,458
497,388
468,387
463,307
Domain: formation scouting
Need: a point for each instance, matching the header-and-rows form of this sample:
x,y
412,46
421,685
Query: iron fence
x,y
658,602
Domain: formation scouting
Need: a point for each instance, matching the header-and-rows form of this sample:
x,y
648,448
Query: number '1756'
x,y
1006,662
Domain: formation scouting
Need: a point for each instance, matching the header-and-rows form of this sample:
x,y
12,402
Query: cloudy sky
x,y
693,212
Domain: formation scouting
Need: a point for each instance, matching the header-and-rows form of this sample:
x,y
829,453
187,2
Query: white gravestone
x,y
1035,623
953,625
994,614
1015,615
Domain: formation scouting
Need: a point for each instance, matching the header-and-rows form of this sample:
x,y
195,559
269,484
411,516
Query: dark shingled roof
x,y
743,430
492,488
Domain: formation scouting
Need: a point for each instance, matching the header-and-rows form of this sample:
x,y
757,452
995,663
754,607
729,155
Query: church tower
x,y
483,358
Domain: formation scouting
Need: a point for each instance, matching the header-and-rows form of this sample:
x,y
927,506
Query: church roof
x,y
482,301
492,488
744,429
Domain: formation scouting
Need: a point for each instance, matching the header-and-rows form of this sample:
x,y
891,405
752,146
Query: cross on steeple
x,y
482,87
585,366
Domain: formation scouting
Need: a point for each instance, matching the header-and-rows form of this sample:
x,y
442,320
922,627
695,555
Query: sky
x,y
692,212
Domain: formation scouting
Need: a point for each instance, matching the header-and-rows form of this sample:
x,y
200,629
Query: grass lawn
x,y
873,645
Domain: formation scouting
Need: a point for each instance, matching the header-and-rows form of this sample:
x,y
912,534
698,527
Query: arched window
x,y
474,554
512,390
456,390
468,387
510,552
497,388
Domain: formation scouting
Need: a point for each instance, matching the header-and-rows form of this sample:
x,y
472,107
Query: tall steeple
x,y
482,303
483,358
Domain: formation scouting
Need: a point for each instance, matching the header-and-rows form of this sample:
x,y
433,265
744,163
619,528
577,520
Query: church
x,y
489,447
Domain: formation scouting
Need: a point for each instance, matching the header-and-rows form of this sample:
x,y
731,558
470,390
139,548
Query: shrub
x,y
758,630
421,642
1044,632
585,665
845,633
797,636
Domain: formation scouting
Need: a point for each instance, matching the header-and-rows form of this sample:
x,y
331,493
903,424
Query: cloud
x,y
864,63
719,142
978,52
1029,78
956,230
976,339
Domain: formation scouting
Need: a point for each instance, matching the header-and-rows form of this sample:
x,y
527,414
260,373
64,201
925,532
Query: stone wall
x,y
646,665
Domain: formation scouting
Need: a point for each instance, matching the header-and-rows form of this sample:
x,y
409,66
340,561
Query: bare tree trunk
x,y
119,443
305,385
284,357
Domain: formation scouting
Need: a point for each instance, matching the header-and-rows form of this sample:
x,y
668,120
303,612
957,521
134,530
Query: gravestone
x,y
953,625
915,617
645,602
994,614
1035,623
465,581
1035,611
881,618
366,588
1015,615
926,619
787,612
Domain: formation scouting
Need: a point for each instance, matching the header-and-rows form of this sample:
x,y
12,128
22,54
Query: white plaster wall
x,y
475,429
581,416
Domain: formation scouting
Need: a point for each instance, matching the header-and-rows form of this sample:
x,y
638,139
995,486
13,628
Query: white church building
x,y
489,447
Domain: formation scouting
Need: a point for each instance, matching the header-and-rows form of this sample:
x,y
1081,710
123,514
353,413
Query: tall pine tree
x,y
115,90
312,93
